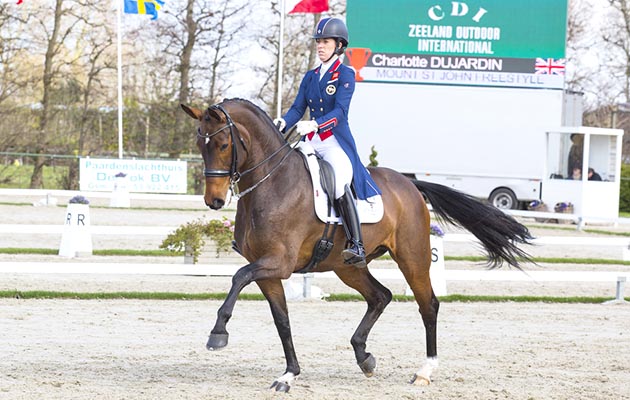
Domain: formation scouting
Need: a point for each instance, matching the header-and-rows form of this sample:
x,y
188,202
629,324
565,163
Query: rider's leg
x,y
330,150
354,254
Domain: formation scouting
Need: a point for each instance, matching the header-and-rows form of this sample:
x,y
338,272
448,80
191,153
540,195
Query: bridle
x,y
233,173
220,173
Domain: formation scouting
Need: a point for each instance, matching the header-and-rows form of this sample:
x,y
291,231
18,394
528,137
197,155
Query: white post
x,y
306,289
76,239
437,271
619,299
280,59
120,96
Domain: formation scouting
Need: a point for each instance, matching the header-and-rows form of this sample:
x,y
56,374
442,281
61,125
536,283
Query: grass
x,y
38,294
19,176
105,252
165,253
41,294
547,260
538,260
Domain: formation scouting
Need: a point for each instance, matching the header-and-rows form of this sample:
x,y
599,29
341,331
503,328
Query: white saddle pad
x,y
370,210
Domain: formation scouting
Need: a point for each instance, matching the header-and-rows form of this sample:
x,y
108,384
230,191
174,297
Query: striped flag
x,y
148,7
306,6
549,66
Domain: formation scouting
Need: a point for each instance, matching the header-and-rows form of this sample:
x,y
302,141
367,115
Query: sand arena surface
x,y
129,349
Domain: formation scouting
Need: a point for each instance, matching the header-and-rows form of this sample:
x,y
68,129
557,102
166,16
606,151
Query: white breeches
x,y
331,151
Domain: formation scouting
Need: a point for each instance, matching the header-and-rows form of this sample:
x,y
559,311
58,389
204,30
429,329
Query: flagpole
x,y
280,59
119,67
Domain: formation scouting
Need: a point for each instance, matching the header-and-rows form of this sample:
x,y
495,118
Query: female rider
x,y
326,91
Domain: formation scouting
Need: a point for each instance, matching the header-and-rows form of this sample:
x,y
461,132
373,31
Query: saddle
x,y
370,210
323,180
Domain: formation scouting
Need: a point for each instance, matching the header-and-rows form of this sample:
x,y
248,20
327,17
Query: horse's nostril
x,y
217,204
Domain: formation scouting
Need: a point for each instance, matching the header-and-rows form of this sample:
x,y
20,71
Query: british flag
x,y
549,66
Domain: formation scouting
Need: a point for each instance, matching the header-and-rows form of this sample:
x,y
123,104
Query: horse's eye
x,y
224,146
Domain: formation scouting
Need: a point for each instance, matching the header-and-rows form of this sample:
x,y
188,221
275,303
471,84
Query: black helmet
x,y
332,28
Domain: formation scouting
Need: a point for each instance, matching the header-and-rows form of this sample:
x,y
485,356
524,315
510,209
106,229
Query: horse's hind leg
x,y
428,305
377,297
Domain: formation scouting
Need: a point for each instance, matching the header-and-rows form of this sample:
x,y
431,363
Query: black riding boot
x,y
354,254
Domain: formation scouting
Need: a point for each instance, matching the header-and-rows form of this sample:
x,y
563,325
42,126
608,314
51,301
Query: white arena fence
x,y
227,270
75,267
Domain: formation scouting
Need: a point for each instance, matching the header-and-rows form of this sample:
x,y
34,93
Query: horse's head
x,y
215,139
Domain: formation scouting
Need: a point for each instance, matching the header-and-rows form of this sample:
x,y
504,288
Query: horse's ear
x,y
193,112
214,114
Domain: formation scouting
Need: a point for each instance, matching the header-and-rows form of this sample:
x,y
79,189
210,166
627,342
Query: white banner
x,y
467,78
140,176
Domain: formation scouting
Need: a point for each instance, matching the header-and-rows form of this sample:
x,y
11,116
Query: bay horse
x,y
276,228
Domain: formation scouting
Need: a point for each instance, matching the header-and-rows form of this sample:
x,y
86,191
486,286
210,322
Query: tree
x,y
11,82
616,37
578,42
57,30
96,58
198,43
609,84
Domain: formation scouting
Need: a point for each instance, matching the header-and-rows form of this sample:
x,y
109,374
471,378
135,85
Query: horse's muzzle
x,y
215,204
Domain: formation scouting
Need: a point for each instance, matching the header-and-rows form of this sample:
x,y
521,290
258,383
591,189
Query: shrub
x,y
191,235
373,160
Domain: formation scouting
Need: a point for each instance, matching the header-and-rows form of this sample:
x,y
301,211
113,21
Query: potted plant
x,y
191,237
436,230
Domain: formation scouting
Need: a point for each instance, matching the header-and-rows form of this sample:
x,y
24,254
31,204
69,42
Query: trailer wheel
x,y
503,198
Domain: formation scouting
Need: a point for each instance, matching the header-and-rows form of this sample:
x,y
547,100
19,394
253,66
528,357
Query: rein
x,y
233,173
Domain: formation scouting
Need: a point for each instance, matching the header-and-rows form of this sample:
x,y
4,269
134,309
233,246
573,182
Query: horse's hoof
x,y
280,387
217,341
420,380
368,366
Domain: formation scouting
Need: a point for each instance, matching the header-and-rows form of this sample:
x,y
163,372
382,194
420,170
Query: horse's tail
x,y
499,233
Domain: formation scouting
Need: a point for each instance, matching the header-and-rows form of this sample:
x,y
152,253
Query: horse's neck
x,y
266,158
279,175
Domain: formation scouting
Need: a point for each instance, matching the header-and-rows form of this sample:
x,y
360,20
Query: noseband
x,y
233,173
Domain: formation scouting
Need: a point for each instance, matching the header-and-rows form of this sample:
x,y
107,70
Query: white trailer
x,y
489,142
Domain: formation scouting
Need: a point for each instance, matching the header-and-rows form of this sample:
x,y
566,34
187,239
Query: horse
x,y
276,229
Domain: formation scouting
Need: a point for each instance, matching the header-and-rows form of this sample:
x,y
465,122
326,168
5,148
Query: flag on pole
x,y
148,7
306,6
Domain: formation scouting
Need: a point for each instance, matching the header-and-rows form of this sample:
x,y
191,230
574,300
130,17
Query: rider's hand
x,y
306,127
280,123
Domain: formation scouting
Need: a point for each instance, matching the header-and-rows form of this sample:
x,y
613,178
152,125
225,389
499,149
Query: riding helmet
x,y
332,28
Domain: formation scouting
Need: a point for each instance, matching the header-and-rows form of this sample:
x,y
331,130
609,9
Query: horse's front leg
x,y
219,335
274,293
